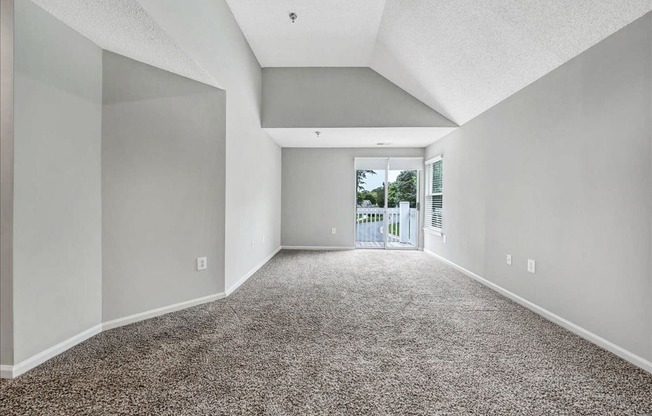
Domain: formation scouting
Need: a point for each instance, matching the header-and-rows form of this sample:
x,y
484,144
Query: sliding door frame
x,y
419,214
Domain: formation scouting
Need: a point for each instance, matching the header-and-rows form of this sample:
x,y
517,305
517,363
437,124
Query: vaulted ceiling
x,y
461,57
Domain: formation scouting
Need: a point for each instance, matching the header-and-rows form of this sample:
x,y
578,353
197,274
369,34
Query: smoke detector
x,y
293,16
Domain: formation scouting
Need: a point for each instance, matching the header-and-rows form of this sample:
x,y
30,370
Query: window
x,y
434,194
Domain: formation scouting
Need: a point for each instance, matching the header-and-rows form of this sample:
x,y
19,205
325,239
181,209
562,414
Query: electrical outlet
x,y
253,243
263,238
531,266
333,231
444,238
509,259
202,263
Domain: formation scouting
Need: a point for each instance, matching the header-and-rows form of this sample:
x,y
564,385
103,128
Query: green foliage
x,y
392,200
403,189
406,188
380,196
365,195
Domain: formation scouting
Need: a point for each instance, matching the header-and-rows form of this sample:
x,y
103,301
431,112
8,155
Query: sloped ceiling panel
x,y
123,27
461,57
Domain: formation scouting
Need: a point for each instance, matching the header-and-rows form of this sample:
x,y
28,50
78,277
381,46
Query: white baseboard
x,y
12,371
325,248
152,313
251,272
576,329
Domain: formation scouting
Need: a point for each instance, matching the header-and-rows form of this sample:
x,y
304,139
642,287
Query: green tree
x,y
392,195
380,196
403,189
365,195
406,188
362,194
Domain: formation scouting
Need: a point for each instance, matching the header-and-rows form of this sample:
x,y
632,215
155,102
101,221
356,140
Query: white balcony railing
x,y
401,225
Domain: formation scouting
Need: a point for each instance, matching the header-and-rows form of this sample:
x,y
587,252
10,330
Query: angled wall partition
x,y
118,176
163,185
253,164
57,226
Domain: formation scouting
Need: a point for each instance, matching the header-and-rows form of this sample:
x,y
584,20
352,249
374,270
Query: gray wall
x,y
253,165
561,173
319,193
6,180
57,179
340,97
253,187
163,185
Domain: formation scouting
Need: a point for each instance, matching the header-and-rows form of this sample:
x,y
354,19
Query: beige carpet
x,y
338,333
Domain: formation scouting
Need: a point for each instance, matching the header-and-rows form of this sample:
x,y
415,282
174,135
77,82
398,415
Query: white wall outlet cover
x,y
202,263
333,230
509,259
531,266
444,238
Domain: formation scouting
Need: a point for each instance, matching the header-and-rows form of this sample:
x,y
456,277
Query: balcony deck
x,y
370,227
376,244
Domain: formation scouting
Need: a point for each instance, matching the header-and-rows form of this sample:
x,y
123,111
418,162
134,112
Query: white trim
x,y
325,248
434,159
576,329
12,371
251,273
152,313
433,231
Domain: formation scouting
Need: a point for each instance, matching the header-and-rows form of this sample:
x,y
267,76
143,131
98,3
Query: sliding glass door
x,y
387,202
402,208
371,177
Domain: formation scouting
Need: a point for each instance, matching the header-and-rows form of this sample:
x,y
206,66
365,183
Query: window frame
x,y
429,194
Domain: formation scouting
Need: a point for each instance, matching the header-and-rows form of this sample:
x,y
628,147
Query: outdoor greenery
x,y
403,189
395,229
365,195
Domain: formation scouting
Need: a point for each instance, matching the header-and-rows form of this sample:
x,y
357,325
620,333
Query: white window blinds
x,y
434,193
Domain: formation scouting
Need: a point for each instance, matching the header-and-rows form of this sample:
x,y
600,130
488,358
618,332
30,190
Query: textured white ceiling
x,y
358,137
462,57
326,33
123,27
